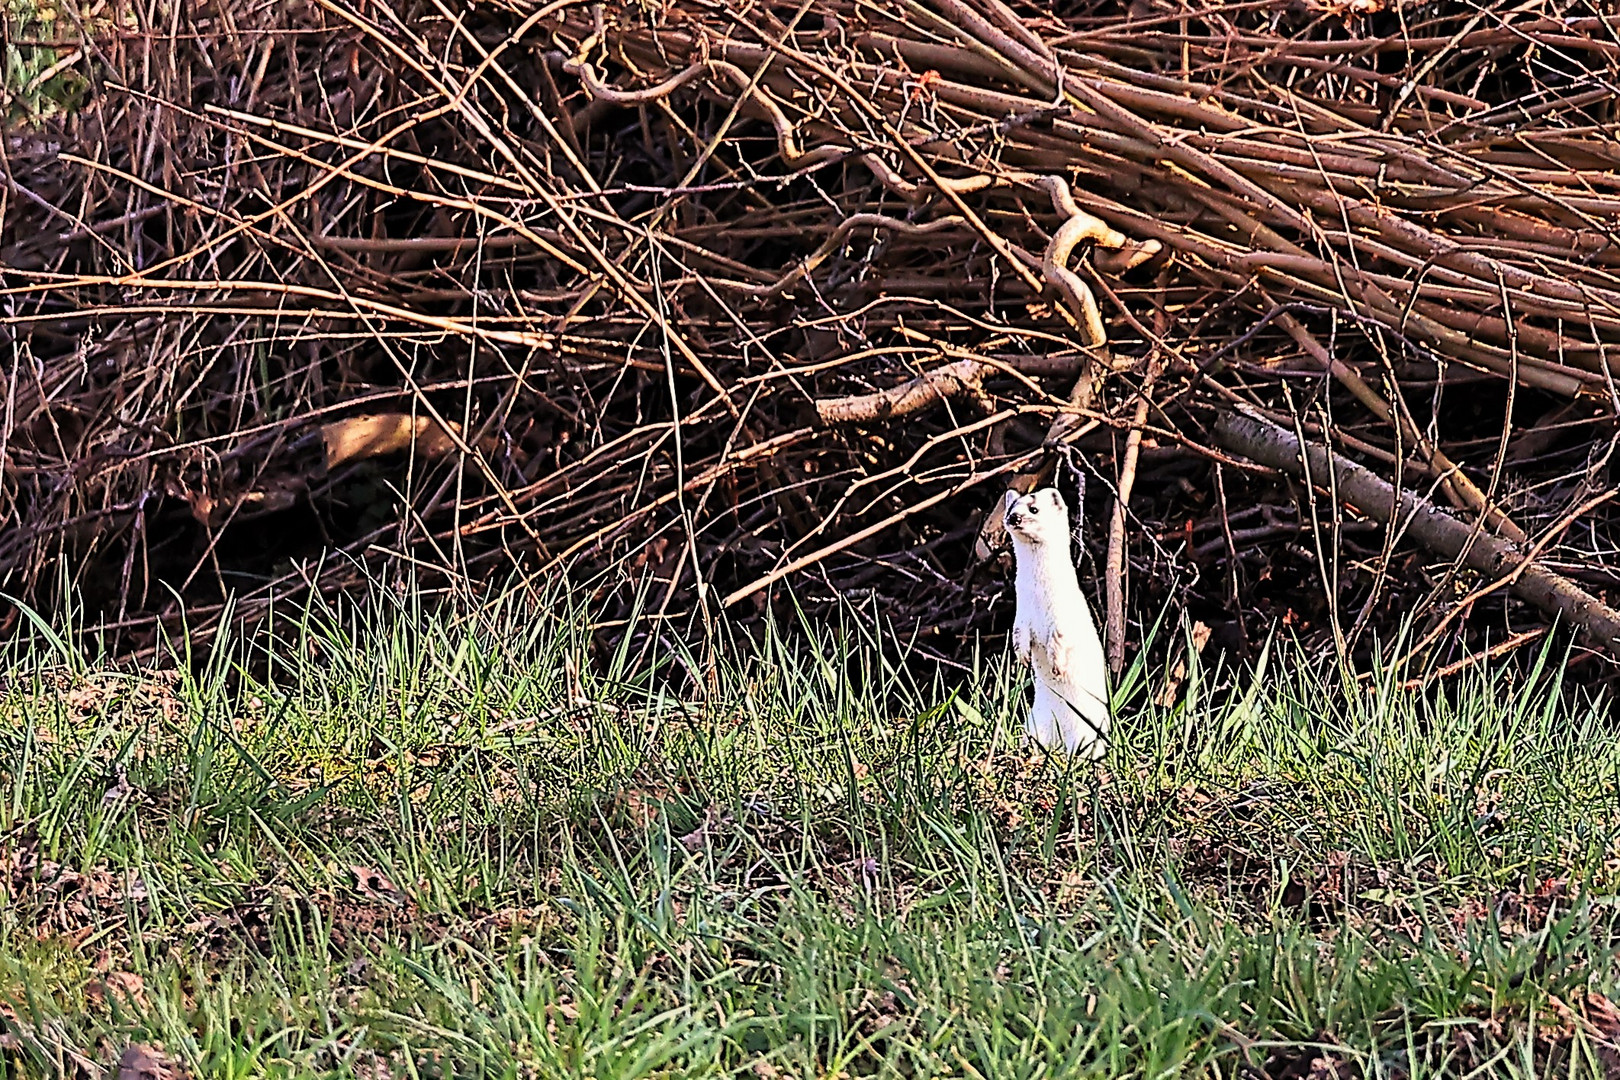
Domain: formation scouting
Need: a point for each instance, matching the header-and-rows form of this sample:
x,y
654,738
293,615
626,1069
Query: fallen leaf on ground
x,y
140,1062
376,885
1603,1021
713,821
124,987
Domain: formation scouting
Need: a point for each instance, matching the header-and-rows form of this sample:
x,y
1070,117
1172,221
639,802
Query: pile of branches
x,y
1309,306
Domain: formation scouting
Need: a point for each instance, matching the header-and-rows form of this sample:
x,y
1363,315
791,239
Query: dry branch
x,y
960,377
1446,536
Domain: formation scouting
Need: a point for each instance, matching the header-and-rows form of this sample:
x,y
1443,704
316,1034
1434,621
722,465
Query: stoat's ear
x,y
1011,499
1057,499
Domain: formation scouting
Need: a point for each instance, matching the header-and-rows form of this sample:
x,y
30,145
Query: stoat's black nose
x,y
1015,520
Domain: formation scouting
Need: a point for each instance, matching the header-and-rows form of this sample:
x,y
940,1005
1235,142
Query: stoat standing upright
x,y
1053,630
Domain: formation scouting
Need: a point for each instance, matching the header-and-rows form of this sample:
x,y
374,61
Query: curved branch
x,y
601,90
1078,226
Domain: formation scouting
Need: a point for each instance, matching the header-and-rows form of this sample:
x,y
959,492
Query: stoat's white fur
x,y
1053,630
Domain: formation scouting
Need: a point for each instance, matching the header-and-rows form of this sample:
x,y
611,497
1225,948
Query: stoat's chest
x,y
1046,588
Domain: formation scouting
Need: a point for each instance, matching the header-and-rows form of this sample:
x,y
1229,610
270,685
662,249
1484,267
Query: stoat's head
x,y
1041,517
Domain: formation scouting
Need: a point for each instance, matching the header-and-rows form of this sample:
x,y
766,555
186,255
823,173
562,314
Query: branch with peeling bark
x,y
963,377
1553,594
956,379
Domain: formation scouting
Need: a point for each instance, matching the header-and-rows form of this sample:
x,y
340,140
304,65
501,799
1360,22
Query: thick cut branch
x,y
959,377
1557,596
952,380
1462,491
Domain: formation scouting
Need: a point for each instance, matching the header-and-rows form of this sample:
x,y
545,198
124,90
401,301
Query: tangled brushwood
x,y
708,303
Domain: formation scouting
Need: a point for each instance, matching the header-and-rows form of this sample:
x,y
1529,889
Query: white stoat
x,y
1053,630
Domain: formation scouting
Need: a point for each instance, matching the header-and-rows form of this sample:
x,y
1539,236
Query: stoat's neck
x,y
1040,564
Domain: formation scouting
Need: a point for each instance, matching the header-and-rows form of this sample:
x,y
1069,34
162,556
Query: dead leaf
x,y
713,821
1603,1022
144,1063
273,494
1172,686
122,987
356,438
202,505
375,885
641,804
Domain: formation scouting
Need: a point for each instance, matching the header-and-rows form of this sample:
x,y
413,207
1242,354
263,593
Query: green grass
x,y
417,845
42,59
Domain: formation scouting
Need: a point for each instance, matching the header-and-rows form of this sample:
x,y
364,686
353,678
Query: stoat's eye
x,y
1033,509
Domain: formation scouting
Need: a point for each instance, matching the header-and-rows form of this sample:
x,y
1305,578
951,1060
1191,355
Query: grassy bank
x,y
388,844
